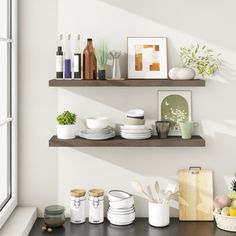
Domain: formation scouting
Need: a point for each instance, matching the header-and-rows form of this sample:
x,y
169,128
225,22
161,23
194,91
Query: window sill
x,y
20,222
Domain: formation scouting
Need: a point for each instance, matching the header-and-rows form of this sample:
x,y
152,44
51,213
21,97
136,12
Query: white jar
x,y
159,214
96,206
77,206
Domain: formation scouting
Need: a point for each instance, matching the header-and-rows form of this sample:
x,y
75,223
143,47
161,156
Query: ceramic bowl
x,y
121,218
117,195
135,113
121,211
125,203
134,121
97,122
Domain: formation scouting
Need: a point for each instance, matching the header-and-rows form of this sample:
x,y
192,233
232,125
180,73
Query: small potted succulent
x,y
101,55
66,125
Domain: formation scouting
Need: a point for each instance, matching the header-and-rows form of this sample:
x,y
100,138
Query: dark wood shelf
x,y
127,83
172,141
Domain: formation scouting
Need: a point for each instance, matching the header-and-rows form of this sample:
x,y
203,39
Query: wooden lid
x,y
96,192
77,192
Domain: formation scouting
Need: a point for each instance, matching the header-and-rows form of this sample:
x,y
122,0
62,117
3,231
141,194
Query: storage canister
x,y
77,206
54,216
96,206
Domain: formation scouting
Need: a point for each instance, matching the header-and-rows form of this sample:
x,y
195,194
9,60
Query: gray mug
x,y
162,128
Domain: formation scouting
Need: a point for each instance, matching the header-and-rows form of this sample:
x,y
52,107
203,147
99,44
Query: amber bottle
x,y
89,61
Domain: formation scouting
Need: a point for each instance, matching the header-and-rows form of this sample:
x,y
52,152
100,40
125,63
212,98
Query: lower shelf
x,y
172,141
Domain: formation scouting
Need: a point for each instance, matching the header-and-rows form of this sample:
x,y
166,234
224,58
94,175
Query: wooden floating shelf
x,y
127,83
172,141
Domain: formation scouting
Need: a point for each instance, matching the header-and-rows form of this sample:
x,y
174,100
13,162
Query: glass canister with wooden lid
x,y
77,206
96,206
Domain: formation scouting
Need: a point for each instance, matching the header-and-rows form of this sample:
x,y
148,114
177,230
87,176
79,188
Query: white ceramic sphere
x,y
181,73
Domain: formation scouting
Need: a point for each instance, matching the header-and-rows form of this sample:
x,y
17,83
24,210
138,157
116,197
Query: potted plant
x,y
201,59
101,55
66,125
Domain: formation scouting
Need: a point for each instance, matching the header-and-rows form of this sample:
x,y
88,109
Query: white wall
x,y
183,22
37,103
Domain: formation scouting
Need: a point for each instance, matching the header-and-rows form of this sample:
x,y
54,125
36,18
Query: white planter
x,y
181,73
65,131
159,214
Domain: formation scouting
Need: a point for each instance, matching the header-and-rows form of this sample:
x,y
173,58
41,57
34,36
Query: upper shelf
x,y
127,83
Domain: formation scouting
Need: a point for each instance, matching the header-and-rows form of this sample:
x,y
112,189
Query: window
x,y
8,119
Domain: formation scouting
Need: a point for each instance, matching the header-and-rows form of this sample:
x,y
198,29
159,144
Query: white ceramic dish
x,y
135,113
125,203
134,121
121,210
126,126
133,137
97,136
97,122
121,219
117,195
116,212
121,224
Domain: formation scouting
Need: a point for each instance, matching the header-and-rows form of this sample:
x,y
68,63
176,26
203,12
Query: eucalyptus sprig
x,y
66,118
101,53
201,58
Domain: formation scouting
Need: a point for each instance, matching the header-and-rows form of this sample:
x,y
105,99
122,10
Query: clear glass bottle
x,y
89,61
54,216
116,64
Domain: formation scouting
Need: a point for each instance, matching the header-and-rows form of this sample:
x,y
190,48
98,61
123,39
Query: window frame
x,y
12,202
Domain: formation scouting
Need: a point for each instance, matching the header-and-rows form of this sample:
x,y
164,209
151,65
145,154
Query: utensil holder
x,y
159,214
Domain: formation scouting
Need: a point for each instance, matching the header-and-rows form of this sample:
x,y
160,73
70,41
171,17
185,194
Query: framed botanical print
x,y
174,106
147,58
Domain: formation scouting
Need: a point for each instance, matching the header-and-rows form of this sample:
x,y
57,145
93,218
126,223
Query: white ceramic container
x,y
181,73
65,131
96,210
159,214
97,122
135,113
77,210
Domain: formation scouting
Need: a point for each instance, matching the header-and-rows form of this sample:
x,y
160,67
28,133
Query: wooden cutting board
x,y
195,194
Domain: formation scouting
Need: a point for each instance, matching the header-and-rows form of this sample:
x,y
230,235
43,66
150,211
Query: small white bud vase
x,y
159,214
181,73
65,131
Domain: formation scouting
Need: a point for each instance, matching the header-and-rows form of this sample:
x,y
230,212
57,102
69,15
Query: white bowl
x,y
97,122
135,113
117,195
121,219
125,203
120,210
121,213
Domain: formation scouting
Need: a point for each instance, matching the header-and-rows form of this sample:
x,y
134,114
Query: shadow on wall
x,y
190,17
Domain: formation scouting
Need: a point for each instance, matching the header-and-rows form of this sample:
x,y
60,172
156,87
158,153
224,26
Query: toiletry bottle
x,y
77,59
67,57
89,61
59,59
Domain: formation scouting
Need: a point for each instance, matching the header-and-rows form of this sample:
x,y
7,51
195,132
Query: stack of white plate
x,y
135,132
98,134
121,210
97,129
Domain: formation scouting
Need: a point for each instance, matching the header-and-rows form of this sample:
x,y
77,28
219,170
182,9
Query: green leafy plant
x,y
202,59
101,55
66,118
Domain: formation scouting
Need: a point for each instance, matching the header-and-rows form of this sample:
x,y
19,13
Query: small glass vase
x,y
116,74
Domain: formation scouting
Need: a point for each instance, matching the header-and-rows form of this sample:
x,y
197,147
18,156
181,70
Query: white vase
x,y
65,131
159,214
181,73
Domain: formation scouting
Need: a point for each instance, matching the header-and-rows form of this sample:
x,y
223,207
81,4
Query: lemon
x,y
232,211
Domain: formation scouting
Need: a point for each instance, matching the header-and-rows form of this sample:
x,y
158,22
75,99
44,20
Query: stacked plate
x,y
121,210
134,127
97,129
98,134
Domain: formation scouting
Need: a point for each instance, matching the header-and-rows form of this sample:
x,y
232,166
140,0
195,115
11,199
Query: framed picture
x,y
147,58
174,106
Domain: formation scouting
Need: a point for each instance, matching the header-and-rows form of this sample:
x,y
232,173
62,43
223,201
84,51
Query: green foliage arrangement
x,y
232,192
202,59
101,55
66,118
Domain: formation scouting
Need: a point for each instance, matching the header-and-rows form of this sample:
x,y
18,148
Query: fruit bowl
x,y
227,223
